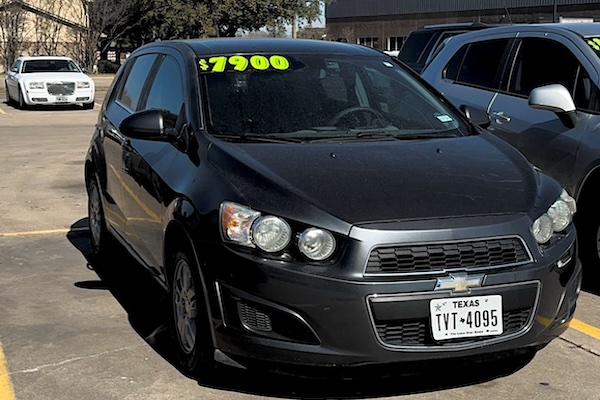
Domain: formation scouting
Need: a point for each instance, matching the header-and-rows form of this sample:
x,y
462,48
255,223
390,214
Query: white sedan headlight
x,y
556,219
83,85
35,85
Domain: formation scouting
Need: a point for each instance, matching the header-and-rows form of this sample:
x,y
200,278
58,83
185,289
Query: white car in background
x,y
48,80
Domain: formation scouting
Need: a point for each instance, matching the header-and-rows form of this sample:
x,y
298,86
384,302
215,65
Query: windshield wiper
x,y
252,138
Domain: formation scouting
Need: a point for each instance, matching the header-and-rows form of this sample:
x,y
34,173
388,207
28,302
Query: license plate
x,y
60,99
461,317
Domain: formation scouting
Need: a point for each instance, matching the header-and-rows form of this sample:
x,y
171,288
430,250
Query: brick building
x,y
385,23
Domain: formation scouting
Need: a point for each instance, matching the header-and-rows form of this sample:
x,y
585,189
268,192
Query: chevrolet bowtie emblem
x,y
459,282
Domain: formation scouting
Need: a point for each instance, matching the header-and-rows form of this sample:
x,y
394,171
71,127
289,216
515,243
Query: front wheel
x,y
191,329
21,101
588,232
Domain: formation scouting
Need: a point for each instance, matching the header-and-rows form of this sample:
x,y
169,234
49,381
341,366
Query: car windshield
x,y
33,66
312,97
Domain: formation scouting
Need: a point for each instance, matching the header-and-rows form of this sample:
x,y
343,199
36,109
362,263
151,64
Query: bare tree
x,y
12,31
105,21
48,32
348,34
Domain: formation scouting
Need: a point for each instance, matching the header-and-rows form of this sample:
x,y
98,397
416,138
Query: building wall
x,y
354,28
38,32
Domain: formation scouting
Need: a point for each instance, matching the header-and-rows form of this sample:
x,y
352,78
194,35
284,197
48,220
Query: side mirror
x,y
476,116
147,125
555,98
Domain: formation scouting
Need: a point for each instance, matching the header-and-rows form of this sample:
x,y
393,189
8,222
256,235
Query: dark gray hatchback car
x,y
315,204
540,87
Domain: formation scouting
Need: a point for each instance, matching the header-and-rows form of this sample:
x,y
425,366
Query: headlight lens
x,y
35,85
244,226
316,244
83,85
236,223
556,219
271,234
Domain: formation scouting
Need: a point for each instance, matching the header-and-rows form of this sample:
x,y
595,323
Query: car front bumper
x,y
336,316
42,97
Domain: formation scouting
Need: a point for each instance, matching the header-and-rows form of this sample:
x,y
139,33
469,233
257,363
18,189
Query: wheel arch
x,y
178,236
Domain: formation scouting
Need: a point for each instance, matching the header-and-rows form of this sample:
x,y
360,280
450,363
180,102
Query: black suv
x,y
313,203
420,45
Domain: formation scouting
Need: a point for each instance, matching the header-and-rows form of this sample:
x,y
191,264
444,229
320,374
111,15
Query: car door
x,y
475,72
124,103
12,79
149,162
550,144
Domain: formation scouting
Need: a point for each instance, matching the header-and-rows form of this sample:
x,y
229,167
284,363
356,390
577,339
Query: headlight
x,y
271,234
83,85
556,219
35,85
316,244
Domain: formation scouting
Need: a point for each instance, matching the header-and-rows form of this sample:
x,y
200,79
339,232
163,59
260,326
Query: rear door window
x,y
479,64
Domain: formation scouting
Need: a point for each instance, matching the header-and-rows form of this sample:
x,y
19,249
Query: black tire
x,y
588,232
100,238
21,101
189,318
9,99
88,106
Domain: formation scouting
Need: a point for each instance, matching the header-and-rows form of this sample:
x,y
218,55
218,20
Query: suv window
x,y
130,93
415,45
478,64
542,62
167,92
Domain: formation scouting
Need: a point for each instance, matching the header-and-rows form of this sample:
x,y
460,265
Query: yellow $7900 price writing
x,y
241,63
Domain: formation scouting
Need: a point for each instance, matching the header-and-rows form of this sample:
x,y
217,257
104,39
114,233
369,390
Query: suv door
x,y
541,59
475,73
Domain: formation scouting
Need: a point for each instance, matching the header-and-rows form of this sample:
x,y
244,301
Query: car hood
x,y
363,182
56,76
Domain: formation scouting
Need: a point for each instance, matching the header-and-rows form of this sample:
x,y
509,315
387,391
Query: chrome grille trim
x,y
451,251
60,88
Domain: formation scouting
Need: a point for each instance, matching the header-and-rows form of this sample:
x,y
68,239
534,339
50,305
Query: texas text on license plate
x,y
460,317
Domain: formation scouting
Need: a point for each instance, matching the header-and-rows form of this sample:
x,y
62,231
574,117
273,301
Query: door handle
x,y
500,117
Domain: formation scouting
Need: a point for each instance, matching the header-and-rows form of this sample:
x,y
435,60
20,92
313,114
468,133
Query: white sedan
x,y
48,80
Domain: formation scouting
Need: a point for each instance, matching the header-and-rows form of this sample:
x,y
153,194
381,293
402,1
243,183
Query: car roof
x,y
29,58
455,26
581,29
209,46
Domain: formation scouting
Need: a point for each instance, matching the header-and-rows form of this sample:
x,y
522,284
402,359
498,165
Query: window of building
x,y
369,42
395,42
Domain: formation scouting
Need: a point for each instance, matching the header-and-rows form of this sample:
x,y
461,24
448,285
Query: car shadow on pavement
x,y
147,308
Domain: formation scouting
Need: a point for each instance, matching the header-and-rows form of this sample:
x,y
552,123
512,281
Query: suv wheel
x,y
190,322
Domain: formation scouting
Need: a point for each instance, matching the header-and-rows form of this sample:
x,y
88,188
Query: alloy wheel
x,y
184,306
95,214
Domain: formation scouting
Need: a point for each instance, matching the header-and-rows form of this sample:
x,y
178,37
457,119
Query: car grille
x,y
439,257
417,332
404,320
61,88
